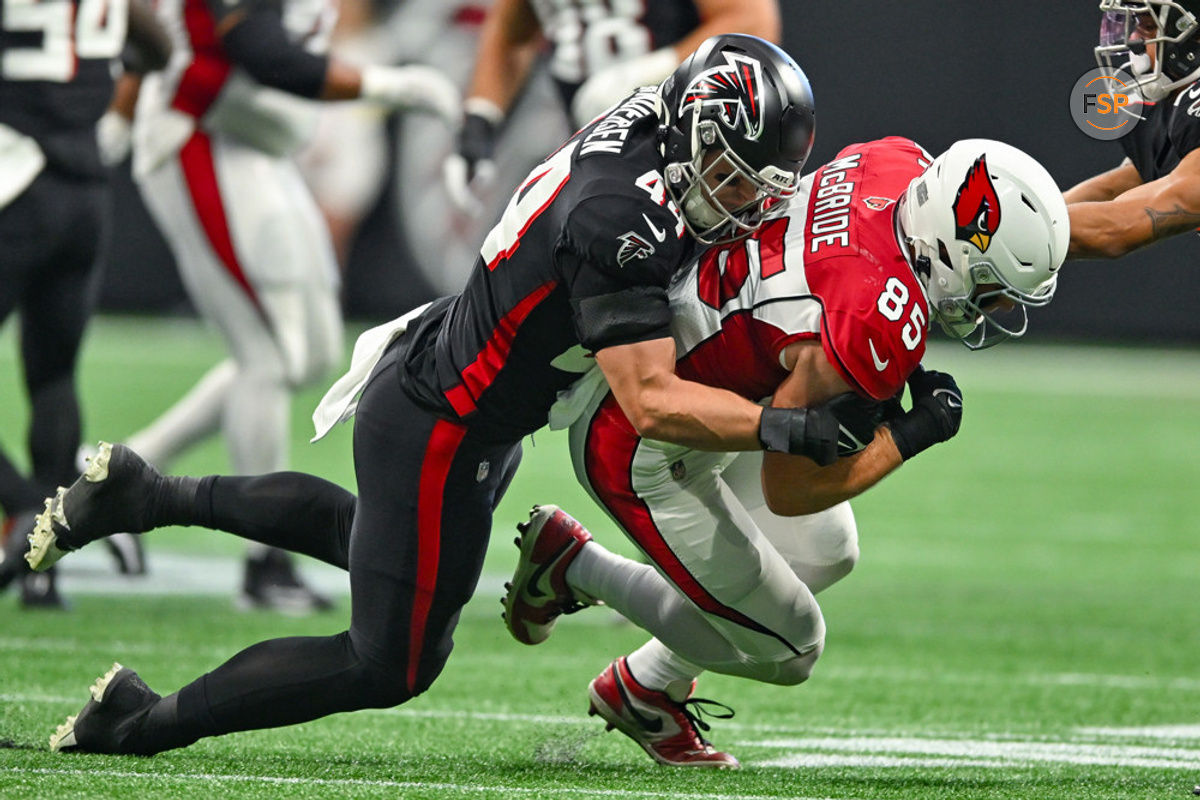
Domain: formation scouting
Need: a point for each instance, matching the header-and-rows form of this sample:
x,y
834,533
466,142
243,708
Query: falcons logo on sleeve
x,y
977,207
633,247
736,89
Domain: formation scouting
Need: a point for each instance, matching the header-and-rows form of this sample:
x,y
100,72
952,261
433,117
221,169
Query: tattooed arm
x,y
1140,216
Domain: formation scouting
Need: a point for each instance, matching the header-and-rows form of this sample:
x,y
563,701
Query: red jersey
x,y
832,269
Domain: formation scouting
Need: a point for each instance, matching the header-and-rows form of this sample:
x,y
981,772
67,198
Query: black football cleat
x,y
108,721
270,582
114,494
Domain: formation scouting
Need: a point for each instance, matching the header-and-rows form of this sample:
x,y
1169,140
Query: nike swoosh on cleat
x,y
532,588
651,724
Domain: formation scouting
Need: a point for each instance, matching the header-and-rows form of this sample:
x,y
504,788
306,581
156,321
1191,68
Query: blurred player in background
x,y
1155,192
828,305
578,265
57,59
213,142
599,52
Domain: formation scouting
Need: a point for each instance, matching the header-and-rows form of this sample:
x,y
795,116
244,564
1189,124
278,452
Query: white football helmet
x,y
1172,26
987,230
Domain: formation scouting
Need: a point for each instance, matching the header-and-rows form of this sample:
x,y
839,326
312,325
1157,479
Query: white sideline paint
x,y
462,788
1170,732
887,751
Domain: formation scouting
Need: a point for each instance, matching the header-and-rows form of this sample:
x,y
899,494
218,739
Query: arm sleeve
x,y
259,44
147,44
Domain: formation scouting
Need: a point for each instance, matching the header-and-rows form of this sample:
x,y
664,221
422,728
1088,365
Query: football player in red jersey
x,y
578,264
600,51
1155,192
829,304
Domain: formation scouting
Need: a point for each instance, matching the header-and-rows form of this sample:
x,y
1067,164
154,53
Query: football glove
x,y
811,432
471,169
415,87
613,84
857,417
935,416
114,136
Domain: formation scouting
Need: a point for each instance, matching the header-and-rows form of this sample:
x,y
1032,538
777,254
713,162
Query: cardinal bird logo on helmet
x,y
977,207
736,89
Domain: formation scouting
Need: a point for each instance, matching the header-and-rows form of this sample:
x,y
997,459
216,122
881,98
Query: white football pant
x,y
732,584
255,257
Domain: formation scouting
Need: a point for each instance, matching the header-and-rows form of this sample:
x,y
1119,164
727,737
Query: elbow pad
x,y
259,45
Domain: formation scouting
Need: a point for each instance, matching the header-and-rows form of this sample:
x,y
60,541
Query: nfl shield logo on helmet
x,y
482,472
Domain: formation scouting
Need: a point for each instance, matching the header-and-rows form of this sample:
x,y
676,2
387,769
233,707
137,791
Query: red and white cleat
x,y
538,593
667,730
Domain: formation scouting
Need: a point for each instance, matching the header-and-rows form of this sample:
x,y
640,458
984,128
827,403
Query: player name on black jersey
x,y
609,134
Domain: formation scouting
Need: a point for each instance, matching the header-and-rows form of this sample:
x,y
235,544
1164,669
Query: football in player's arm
x,y
1154,193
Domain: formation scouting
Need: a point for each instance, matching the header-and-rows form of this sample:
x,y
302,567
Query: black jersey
x,y
579,261
57,61
1168,131
588,35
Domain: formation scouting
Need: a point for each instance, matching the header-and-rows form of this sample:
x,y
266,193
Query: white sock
x,y
657,667
652,603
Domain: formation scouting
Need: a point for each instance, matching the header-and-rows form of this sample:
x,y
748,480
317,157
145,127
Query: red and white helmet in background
x,y
988,229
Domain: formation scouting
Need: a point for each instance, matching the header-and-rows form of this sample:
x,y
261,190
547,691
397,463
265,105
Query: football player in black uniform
x,y
1155,192
599,52
578,265
56,80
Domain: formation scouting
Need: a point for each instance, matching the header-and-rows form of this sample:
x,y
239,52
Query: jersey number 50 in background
x,y
67,33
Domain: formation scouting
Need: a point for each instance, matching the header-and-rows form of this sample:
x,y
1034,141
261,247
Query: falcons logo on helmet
x,y
977,207
736,89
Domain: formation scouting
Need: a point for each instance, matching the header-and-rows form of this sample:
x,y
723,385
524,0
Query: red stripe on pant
x,y
435,469
200,174
611,445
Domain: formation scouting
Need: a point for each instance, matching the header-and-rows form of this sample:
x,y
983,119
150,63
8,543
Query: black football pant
x,y
50,238
413,541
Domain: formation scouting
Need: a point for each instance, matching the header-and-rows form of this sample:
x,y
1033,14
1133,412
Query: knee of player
x,y
796,670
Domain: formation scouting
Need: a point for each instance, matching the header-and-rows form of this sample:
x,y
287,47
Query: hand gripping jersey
x,y
588,35
202,87
831,269
1168,131
579,261
57,59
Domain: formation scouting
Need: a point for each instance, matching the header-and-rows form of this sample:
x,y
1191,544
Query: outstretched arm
x,y
1139,216
1106,185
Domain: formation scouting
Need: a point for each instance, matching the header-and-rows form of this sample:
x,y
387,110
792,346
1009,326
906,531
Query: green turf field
x,y
1024,622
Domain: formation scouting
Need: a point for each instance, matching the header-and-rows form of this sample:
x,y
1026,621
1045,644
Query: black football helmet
x,y
738,107
1172,26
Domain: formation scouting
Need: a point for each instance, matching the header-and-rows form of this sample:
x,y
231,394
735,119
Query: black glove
x,y
937,407
476,142
857,417
811,432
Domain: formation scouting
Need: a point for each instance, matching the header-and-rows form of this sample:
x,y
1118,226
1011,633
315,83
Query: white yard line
x,y
901,751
